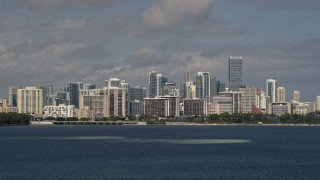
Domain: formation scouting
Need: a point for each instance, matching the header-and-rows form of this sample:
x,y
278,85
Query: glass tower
x,y
235,73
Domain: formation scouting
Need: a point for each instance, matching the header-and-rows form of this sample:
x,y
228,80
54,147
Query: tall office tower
x,y
297,96
281,94
235,73
155,83
271,88
74,91
318,103
13,91
213,87
203,86
47,92
30,100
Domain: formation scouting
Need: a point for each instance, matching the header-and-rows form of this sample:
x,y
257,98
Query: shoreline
x,y
139,123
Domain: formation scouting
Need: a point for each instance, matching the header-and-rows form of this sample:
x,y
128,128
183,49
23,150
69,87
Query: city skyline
x,y
57,42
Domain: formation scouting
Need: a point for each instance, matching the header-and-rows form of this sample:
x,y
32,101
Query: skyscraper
x,y
74,91
203,86
318,103
13,96
271,87
156,81
30,100
235,73
281,94
296,96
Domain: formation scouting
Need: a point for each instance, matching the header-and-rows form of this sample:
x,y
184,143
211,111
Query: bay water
x,y
159,152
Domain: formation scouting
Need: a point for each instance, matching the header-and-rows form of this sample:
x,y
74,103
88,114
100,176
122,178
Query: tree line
x,y
248,118
14,118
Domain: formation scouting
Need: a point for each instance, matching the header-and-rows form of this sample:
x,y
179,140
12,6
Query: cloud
x,y
170,13
145,57
57,5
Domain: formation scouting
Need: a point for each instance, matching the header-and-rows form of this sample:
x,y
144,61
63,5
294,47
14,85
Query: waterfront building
x,y
280,108
203,81
93,102
248,99
136,107
299,107
3,105
318,103
271,87
221,104
59,111
30,100
236,100
115,101
297,96
235,73
194,107
168,106
281,94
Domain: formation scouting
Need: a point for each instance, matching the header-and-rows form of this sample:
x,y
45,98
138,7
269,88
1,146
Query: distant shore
x,y
144,123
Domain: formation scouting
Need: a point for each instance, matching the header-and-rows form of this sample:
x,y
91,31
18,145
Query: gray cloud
x,y
58,5
171,13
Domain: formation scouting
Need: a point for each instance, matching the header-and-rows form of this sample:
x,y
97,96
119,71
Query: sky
x,y
60,41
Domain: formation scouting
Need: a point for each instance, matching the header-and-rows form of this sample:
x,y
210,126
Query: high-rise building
x,y
188,77
318,103
195,107
203,86
271,88
30,100
93,102
13,91
75,90
297,96
235,73
115,102
236,100
189,90
248,99
137,93
47,92
156,82
213,87
281,94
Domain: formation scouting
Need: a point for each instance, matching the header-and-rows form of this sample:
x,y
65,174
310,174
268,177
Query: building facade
x,y
30,100
203,85
271,89
235,73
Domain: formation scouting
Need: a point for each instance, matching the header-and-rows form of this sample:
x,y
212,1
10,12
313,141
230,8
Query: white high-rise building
x,y
271,88
281,94
318,103
30,100
297,96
